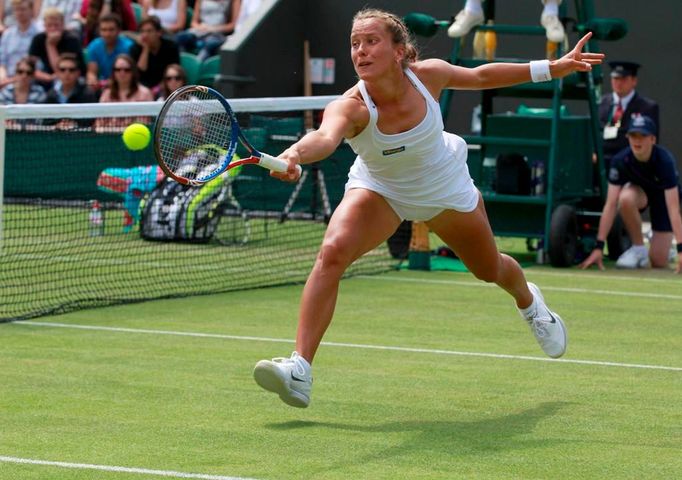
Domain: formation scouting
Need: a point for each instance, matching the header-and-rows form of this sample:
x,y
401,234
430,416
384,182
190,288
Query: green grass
x,y
189,404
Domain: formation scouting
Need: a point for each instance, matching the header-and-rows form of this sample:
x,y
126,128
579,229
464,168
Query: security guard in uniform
x,y
617,109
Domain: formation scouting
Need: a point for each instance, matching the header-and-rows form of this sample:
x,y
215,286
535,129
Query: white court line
x,y
464,283
349,345
111,468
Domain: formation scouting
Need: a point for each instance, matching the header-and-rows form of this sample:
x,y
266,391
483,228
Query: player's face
x,y
622,86
372,49
641,145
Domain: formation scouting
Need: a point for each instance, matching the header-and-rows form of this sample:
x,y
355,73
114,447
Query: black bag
x,y
512,175
176,212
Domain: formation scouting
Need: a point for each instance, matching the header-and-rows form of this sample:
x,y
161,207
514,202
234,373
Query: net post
x,y
3,116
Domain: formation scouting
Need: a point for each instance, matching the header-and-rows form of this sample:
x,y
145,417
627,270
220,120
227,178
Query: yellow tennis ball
x,y
136,136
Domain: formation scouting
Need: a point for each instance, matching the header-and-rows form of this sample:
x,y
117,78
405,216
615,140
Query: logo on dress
x,y
391,151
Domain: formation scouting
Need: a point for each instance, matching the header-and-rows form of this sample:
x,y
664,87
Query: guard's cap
x,y
624,69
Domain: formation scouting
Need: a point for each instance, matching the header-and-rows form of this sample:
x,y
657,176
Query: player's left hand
x,y
576,60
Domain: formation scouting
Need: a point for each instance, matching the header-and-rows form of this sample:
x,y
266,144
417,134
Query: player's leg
x,y
631,201
470,16
471,238
362,221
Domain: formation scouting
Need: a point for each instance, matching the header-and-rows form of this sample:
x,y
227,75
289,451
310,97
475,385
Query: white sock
x,y
474,6
551,7
530,308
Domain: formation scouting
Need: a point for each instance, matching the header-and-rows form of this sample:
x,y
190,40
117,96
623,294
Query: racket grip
x,y
275,164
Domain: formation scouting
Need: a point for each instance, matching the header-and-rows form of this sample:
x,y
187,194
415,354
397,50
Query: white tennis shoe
x,y
553,28
290,378
464,22
547,326
634,257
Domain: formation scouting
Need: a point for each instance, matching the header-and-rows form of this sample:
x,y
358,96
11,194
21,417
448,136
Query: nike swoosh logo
x,y
296,379
552,317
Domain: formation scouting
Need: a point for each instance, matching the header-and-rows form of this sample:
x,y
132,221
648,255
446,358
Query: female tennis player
x,y
407,168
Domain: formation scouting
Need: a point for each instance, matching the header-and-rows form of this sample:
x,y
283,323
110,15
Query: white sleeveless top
x,y
423,166
168,16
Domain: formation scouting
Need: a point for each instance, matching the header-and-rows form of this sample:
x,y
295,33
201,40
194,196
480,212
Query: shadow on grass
x,y
445,437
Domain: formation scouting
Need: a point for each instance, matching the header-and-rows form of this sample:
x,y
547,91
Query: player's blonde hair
x,y
396,27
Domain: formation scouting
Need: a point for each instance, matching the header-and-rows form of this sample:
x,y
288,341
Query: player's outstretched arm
x,y
337,123
441,74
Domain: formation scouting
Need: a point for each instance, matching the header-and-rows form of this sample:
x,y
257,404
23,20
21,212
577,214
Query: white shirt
x,y
424,166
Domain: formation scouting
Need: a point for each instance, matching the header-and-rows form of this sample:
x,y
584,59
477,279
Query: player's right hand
x,y
293,173
596,257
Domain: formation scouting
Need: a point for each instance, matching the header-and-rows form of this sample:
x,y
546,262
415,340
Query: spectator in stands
x,y
124,86
69,8
70,88
103,51
153,52
48,45
24,88
16,40
93,10
171,13
212,22
173,78
6,15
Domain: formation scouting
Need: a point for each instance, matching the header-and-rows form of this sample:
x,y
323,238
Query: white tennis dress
x,y
420,172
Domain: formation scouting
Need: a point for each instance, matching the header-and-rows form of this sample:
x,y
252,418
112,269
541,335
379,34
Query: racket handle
x,y
275,164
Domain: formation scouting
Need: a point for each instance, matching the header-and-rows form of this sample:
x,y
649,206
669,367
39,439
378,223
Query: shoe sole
x,y
536,291
268,377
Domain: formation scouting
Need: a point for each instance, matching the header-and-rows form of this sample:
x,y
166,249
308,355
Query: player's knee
x,y
332,257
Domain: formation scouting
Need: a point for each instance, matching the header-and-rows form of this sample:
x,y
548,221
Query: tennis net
x,y
84,222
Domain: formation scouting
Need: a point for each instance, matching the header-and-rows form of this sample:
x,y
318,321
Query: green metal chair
x,y
188,20
192,66
210,68
138,11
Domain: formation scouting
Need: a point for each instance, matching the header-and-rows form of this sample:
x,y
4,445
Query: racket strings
x,y
196,132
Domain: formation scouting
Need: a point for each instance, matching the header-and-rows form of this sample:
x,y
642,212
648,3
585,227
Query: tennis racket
x,y
192,117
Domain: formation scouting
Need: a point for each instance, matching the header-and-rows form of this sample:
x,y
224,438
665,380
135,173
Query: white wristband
x,y
539,71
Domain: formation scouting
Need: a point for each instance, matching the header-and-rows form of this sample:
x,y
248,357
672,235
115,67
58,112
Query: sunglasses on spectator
x,y
24,72
123,69
174,77
68,69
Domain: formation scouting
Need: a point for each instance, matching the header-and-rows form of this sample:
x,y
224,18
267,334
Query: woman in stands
x,y
124,86
172,13
24,88
212,22
173,78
